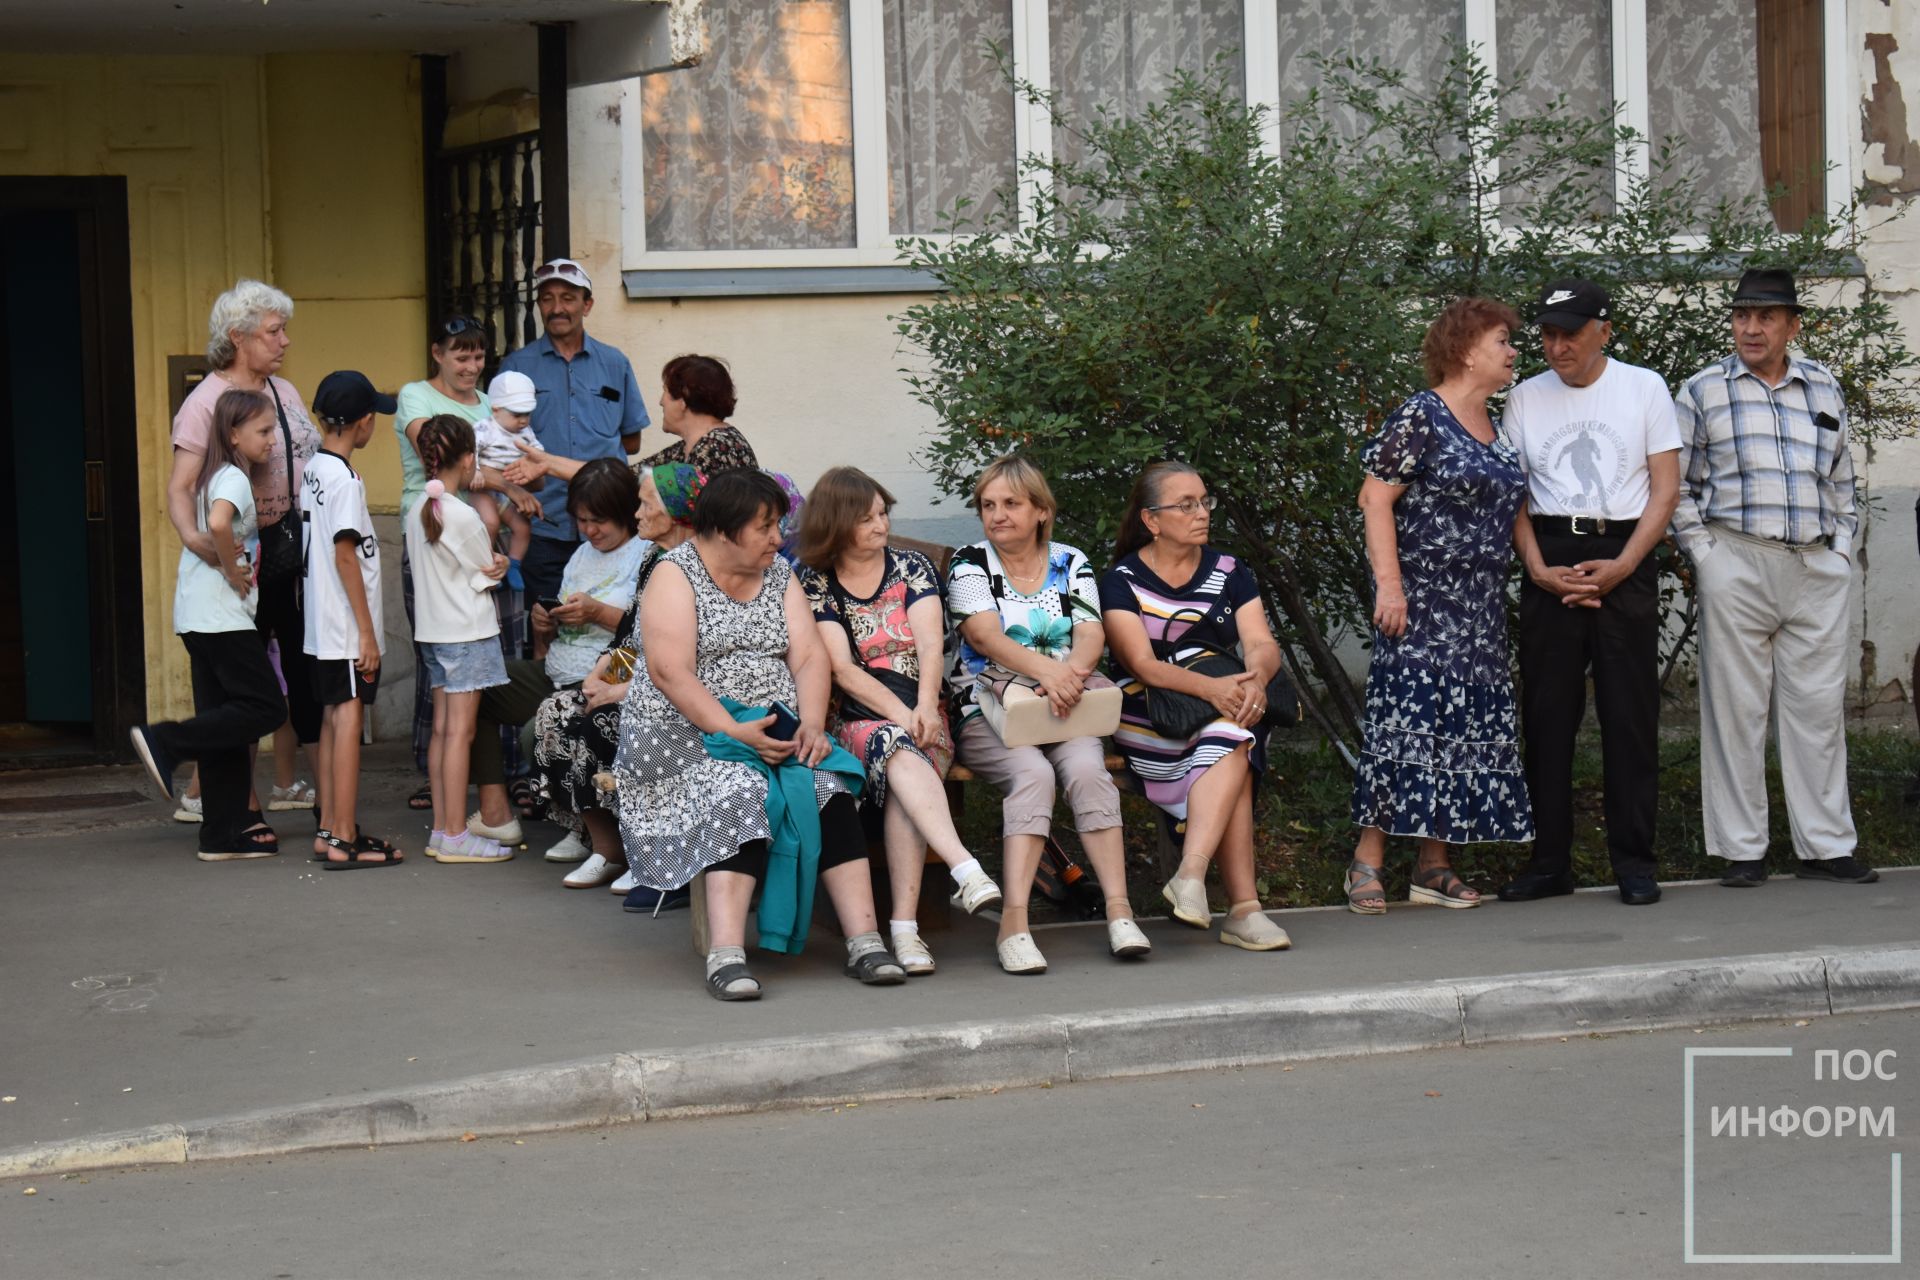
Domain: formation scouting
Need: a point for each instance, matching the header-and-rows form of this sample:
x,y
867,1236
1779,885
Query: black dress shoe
x,y
1536,884
1639,891
1745,875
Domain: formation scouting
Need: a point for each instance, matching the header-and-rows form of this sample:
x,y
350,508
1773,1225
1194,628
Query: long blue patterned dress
x,y
1440,756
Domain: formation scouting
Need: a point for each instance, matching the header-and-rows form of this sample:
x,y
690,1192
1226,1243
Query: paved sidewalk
x,y
144,988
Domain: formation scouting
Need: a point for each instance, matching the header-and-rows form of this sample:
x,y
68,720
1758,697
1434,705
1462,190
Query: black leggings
x,y
841,841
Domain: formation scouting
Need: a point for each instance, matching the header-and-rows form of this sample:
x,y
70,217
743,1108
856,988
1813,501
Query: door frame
x,y
111,429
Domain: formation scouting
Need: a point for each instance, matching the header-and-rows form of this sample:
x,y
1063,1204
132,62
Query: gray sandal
x,y
720,983
1440,887
1361,900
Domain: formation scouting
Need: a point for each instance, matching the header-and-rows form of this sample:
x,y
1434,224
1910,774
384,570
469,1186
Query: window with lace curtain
x,y
817,132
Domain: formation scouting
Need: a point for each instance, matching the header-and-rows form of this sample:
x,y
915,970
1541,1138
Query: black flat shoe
x,y
1536,884
1639,891
1847,870
1745,875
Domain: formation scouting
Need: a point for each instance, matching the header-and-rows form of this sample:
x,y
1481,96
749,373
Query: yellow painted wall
x,y
301,169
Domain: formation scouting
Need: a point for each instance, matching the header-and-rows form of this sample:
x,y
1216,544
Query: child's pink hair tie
x,y
435,489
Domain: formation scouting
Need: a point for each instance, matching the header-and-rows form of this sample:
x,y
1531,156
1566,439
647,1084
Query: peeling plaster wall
x,y
820,376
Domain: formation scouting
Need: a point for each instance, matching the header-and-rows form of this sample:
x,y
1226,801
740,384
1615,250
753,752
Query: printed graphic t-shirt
x,y
1585,449
335,506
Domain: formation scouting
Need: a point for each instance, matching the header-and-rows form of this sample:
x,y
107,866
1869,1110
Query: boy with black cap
x,y
343,612
1600,447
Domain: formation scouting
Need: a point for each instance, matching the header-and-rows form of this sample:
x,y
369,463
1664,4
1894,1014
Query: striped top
x,y
1773,462
1198,612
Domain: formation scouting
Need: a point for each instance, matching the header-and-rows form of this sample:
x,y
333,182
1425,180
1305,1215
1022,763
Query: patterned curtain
x,y
1703,87
949,110
1409,35
1120,54
1545,51
753,148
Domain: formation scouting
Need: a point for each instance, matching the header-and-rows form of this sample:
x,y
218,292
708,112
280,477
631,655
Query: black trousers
x,y
1620,644
236,702
280,615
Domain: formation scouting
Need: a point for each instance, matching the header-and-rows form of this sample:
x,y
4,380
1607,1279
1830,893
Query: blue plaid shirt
x,y
1753,456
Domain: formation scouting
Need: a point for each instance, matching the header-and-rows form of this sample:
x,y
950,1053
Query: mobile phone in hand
x,y
785,723
549,603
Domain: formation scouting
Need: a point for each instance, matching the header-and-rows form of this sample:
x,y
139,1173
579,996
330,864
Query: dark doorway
x,y
72,676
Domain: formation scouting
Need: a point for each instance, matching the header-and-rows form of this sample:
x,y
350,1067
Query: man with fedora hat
x,y
1597,440
1767,515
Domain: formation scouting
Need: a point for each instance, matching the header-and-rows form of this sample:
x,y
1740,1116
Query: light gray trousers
x,y
1773,637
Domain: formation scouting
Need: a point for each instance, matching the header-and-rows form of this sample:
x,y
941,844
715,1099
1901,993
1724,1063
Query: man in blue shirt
x,y
588,407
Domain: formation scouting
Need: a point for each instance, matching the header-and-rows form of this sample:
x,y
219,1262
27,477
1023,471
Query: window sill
x,y
763,282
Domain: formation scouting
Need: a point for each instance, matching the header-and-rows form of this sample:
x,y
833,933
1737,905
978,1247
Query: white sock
x,y
897,927
967,870
720,957
861,943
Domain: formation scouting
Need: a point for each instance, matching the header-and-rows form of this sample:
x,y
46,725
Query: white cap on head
x,y
565,270
512,392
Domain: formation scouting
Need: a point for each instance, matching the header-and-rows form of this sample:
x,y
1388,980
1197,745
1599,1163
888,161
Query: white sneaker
x,y
300,795
468,847
624,885
1019,955
572,849
509,835
911,951
189,810
977,894
1125,940
592,873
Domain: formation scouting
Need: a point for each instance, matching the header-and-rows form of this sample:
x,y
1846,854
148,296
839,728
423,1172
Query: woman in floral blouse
x,y
879,612
1030,605
1440,758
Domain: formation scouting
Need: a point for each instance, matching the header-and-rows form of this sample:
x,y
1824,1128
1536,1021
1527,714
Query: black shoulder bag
x,y
1181,715
899,684
282,548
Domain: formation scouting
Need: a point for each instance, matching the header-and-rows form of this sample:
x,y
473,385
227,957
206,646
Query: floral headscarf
x,y
679,487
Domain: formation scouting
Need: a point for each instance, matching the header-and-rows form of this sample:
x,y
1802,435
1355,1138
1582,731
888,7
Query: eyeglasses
x,y
458,325
1188,507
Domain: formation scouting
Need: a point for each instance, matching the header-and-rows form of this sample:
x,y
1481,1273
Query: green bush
x,y
1180,293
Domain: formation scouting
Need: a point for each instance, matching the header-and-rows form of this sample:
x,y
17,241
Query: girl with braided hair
x,y
455,568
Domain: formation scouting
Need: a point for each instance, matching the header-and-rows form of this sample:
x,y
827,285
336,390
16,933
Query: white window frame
x,y
875,245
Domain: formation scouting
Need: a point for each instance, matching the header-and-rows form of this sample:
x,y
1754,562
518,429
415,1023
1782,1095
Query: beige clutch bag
x,y
1023,718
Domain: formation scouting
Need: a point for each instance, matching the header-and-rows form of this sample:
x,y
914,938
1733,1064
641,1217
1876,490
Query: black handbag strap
x,y
976,555
286,435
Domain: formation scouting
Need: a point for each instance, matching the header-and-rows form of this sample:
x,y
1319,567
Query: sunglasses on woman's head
x,y
458,325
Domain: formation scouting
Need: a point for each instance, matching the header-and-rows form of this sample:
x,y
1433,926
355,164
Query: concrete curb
x,y
907,1062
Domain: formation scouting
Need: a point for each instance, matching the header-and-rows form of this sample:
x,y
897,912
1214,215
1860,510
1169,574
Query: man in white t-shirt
x,y
1600,448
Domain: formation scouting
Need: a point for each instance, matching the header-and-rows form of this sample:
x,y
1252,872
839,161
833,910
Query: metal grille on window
x,y
491,238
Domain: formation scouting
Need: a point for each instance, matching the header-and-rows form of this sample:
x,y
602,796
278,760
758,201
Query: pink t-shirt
x,y
270,497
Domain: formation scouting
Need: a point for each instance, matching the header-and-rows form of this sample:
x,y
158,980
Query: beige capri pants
x,y
1026,776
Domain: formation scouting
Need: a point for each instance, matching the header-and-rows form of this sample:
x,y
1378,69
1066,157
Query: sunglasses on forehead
x,y
457,325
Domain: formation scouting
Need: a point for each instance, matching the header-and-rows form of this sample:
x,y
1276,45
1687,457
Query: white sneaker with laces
x,y
572,849
189,810
624,885
911,951
977,894
510,835
592,873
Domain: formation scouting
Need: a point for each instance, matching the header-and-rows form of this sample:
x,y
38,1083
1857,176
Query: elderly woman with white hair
x,y
246,341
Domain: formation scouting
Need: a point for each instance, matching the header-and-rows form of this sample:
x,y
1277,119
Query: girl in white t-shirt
x,y
455,627
236,697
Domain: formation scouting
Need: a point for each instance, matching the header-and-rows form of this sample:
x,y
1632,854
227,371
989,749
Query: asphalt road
x,y
1561,1159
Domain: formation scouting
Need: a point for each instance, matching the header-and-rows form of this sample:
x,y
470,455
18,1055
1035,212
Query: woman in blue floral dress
x,y
1440,757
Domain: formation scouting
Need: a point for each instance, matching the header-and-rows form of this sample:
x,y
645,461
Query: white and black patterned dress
x,y
681,810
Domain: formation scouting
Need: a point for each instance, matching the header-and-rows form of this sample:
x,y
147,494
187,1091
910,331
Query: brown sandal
x,y
1440,887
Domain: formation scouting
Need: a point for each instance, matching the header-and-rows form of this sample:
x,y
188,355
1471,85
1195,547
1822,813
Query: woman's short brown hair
x,y
1026,479
703,382
840,500
1455,330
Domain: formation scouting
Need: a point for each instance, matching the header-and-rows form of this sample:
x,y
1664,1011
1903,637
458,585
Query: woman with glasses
x,y
1440,759
1168,599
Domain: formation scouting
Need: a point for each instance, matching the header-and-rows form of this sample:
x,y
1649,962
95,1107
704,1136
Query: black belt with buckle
x,y
1585,526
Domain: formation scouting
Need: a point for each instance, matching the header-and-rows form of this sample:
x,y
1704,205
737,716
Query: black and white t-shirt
x,y
1585,449
334,503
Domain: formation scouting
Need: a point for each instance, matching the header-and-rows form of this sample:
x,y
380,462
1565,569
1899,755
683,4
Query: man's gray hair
x,y
241,309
